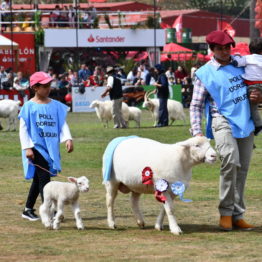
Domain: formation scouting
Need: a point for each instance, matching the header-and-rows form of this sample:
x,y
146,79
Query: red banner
x,y
26,53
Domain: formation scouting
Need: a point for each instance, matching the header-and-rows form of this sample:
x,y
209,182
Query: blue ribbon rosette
x,y
178,188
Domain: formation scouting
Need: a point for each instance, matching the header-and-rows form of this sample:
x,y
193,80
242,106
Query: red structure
x,y
14,95
203,22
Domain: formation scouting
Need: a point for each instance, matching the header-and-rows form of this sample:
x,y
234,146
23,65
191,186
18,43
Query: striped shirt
x,y
197,105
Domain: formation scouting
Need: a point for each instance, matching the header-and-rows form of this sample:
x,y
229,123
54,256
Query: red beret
x,y
220,38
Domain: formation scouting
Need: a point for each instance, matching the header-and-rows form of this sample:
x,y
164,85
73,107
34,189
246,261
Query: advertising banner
x,y
81,102
26,53
104,38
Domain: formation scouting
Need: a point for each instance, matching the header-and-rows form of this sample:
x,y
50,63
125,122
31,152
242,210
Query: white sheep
x,y
135,114
104,111
56,195
175,109
172,162
9,109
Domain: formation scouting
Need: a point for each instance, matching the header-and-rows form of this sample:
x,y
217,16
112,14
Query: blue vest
x,y
44,123
226,87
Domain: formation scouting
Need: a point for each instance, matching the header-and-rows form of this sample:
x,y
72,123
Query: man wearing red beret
x,y
219,88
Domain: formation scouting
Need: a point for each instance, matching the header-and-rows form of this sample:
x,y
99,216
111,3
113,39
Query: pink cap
x,y
40,77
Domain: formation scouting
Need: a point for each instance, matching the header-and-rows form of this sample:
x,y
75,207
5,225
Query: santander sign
x,y
105,39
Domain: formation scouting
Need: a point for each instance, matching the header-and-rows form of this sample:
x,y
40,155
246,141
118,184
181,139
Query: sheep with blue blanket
x,y
144,166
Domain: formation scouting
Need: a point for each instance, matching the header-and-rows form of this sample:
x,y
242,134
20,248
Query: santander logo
x,y
91,39
106,39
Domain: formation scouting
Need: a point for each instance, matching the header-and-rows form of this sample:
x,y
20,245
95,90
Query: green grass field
x,y
22,240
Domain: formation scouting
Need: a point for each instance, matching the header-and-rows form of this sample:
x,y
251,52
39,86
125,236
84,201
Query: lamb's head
x,y
200,149
95,104
81,182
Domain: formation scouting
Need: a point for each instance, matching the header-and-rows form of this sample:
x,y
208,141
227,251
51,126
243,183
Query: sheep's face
x,y
209,153
94,104
148,104
200,149
82,184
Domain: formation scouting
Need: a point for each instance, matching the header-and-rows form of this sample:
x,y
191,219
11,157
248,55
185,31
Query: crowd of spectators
x,y
61,16
67,16
88,76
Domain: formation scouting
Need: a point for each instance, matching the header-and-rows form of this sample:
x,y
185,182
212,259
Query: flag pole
x,y
154,31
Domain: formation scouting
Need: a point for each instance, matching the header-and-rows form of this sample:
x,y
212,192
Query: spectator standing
x,y
3,75
84,73
5,6
143,72
64,19
132,76
71,16
8,82
21,83
55,16
98,76
181,75
114,89
162,94
170,74
151,77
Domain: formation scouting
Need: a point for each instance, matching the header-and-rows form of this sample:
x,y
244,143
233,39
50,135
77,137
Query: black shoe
x,y
258,129
30,215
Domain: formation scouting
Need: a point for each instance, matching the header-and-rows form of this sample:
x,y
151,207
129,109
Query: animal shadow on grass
x,y
201,228
204,228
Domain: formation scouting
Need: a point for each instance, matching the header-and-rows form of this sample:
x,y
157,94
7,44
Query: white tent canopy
x,y
6,43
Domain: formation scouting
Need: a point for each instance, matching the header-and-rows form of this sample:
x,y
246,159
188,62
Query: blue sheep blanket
x,y
109,153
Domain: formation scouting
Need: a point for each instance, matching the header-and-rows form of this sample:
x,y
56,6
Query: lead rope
x,y
31,163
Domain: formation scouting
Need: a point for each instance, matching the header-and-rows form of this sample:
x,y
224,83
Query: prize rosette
x,y
161,185
178,188
147,176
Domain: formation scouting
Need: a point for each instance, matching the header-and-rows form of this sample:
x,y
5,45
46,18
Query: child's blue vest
x,y
226,87
44,123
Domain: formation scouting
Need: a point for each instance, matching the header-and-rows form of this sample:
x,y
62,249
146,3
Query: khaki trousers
x,y
117,113
235,155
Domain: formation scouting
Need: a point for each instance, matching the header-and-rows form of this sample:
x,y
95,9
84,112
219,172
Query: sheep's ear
x,y
185,144
72,179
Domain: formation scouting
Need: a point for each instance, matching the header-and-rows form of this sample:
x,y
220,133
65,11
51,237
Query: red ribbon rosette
x,y
160,197
161,185
147,176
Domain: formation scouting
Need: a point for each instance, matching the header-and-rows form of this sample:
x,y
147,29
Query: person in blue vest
x,y
219,88
42,128
162,91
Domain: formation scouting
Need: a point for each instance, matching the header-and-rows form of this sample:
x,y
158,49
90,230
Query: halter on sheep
x,y
171,162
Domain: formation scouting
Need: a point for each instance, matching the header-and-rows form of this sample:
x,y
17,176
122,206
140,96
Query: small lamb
x,y
56,195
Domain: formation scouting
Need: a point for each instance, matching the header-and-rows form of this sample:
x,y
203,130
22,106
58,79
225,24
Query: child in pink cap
x,y
42,128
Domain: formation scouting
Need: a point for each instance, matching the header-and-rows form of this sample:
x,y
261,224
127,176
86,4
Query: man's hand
x,y
69,146
255,96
